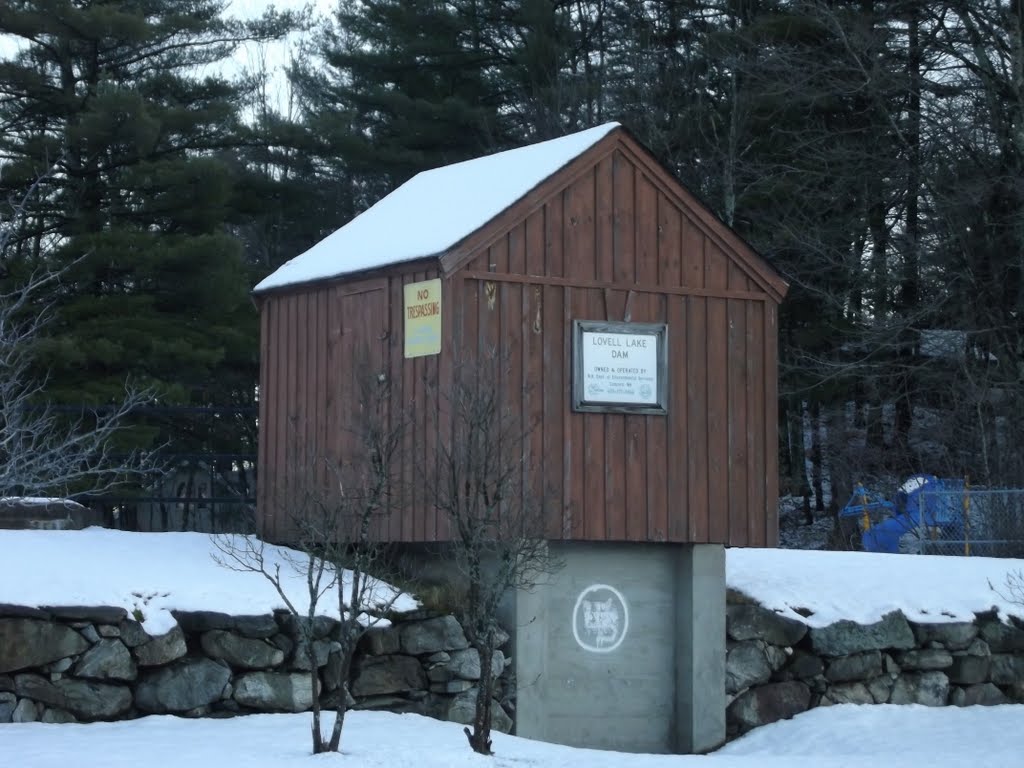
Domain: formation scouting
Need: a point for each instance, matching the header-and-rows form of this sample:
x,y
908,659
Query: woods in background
x,y
870,149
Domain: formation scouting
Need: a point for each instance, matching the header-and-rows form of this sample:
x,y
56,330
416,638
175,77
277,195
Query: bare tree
x,y
334,509
482,485
44,450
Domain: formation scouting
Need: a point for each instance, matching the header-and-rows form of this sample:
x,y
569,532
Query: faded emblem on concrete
x,y
600,619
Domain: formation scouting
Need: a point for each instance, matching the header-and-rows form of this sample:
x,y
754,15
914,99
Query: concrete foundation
x,y
624,649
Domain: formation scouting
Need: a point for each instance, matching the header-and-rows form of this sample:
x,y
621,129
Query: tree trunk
x,y
480,738
816,457
314,679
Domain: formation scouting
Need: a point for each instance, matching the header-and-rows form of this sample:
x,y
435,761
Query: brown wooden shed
x,y
588,227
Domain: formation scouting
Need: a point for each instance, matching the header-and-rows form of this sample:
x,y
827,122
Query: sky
x,y
157,572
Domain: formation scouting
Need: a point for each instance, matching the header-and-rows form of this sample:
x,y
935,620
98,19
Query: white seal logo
x,y
600,619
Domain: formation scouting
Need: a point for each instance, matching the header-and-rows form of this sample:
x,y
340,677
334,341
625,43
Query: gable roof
x,y
433,211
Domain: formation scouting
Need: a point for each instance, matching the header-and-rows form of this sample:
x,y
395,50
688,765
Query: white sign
x,y
600,619
620,367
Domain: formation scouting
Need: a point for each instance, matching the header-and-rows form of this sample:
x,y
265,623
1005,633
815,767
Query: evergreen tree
x,y
130,100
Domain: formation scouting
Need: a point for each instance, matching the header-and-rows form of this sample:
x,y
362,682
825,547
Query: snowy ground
x,y
159,572
846,736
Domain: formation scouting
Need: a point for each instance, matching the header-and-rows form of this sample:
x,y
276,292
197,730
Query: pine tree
x,y
131,101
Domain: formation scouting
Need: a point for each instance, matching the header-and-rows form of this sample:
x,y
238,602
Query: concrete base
x,y
624,649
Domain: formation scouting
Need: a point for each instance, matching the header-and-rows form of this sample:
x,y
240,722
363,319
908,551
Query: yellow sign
x,y
423,318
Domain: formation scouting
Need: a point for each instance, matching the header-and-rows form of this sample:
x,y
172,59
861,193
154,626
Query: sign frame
x,y
658,404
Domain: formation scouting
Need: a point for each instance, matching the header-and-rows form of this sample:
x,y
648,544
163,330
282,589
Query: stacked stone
x,y
87,664
777,667
427,667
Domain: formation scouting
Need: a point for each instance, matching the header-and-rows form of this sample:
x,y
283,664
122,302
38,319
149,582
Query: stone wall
x,y
778,667
87,664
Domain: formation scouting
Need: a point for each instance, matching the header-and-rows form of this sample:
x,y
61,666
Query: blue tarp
x,y
925,504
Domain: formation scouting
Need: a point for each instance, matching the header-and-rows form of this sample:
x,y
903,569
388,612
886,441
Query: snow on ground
x,y
157,572
153,573
864,586
845,736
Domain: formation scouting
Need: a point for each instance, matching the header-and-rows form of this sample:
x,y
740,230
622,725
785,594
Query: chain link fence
x,y
933,516
979,522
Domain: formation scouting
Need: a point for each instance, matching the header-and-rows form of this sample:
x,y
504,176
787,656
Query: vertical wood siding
x,y
616,242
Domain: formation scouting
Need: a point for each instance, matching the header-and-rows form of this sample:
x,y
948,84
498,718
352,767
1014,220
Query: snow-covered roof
x,y
434,210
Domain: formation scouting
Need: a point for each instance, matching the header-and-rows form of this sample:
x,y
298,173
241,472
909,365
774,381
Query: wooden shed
x,y
531,249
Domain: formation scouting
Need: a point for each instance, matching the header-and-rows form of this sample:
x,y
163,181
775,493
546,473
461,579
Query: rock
x,y
859,666
501,638
181,686
107,660
439,673
953,636
849,693
451,686
61,666
332,676
197,622
37,688
967,670
752,622
777,657
8,611
891,667
240,652
880,689
132,633
162,650
27,711
275,691
746,665
90,700
978,647
1006,669
89,633
801,666
94,614
462,709
330,701
847,637
255,627
26,643
500,719
398,704
1015,692
321,651
8,701
6,683
769,703
323,626
285,643
443,633
376,675
380,641
928,688
1002,638
982,694
925,658
441,657
52,715
108,630
466,664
